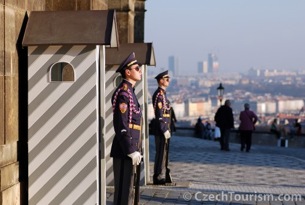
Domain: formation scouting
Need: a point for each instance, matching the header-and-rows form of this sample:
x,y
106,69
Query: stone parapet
x,y
258,138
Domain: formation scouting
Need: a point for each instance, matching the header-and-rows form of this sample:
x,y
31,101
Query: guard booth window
x,y
117,80
62,71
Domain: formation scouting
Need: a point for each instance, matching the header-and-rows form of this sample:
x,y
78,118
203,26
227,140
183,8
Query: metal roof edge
x,y
86,27
144,53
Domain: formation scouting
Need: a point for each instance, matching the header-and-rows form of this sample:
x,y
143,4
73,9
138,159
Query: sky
x,y
243,34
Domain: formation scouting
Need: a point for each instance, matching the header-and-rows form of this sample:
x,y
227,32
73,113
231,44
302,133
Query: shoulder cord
x,y
164,102
131,103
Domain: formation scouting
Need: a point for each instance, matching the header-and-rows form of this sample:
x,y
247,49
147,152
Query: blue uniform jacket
x,y
162,111
126,121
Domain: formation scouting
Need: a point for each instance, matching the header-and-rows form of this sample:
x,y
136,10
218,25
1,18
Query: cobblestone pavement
x,y
205,175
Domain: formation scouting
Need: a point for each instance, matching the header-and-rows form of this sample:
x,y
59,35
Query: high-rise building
x,y
173,65
213,64
200,67
210,62
205,67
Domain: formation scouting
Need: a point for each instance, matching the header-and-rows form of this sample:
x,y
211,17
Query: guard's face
x,y
135,72
165,81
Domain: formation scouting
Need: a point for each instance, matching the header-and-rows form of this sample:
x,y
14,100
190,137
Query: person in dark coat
x,y
127,115
162,110
275,129
298,127
199,128
225,121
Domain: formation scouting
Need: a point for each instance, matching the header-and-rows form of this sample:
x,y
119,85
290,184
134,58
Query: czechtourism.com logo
x,y
232,196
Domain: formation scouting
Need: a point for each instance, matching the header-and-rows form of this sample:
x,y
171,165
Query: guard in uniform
x,y
162,110
127,115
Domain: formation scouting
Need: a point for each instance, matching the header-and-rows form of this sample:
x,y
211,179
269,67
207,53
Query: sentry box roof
x,y
144,53
96,27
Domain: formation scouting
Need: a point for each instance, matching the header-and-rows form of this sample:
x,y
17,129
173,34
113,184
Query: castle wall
x,y
13,66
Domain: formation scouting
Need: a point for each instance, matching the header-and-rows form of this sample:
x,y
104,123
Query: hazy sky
x,y
241,33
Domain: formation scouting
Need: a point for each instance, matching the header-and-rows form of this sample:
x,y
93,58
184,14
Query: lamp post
x,y
220,91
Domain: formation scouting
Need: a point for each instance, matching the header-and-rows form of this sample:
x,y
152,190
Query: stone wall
x,y
11,18
130,19
13,84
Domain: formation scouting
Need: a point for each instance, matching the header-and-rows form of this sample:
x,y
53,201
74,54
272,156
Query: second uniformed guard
x,y
162,110
127,115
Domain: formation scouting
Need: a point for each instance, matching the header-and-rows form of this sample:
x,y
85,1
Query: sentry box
x,y
66,53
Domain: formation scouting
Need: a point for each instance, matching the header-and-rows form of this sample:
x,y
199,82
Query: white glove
x,y
136,158
167,135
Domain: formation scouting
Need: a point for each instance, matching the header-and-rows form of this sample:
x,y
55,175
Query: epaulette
x,y
124,90
125,86
160,94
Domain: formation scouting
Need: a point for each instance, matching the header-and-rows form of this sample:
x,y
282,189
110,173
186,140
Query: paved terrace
x,y
205,175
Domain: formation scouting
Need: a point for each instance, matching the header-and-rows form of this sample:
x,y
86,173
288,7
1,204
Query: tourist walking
x,y
247,124
225,121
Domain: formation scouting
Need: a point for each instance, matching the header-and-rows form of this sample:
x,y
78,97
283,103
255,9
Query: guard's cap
x,y
162,75
129,61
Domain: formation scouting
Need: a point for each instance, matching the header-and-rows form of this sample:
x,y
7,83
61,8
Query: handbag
x,y
217,132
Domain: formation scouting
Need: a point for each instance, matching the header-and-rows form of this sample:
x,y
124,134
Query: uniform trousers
x,y
160,157
123,171
245,140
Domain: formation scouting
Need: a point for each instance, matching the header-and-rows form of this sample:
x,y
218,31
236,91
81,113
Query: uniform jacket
x,y
247,120
162,110
224,117
126,114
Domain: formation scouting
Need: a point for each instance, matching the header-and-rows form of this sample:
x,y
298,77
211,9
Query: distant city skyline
x,y
242,34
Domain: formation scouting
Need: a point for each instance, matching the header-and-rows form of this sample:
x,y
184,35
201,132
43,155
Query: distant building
x,y
253,72
289,105
200,68
205,67
195,107
173,65
213,64
266,107
210,62
179,109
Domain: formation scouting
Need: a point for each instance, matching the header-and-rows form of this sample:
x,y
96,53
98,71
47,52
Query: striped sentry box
x,y
63,120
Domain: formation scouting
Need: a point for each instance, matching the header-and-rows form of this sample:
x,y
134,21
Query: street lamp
x,y
220,91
